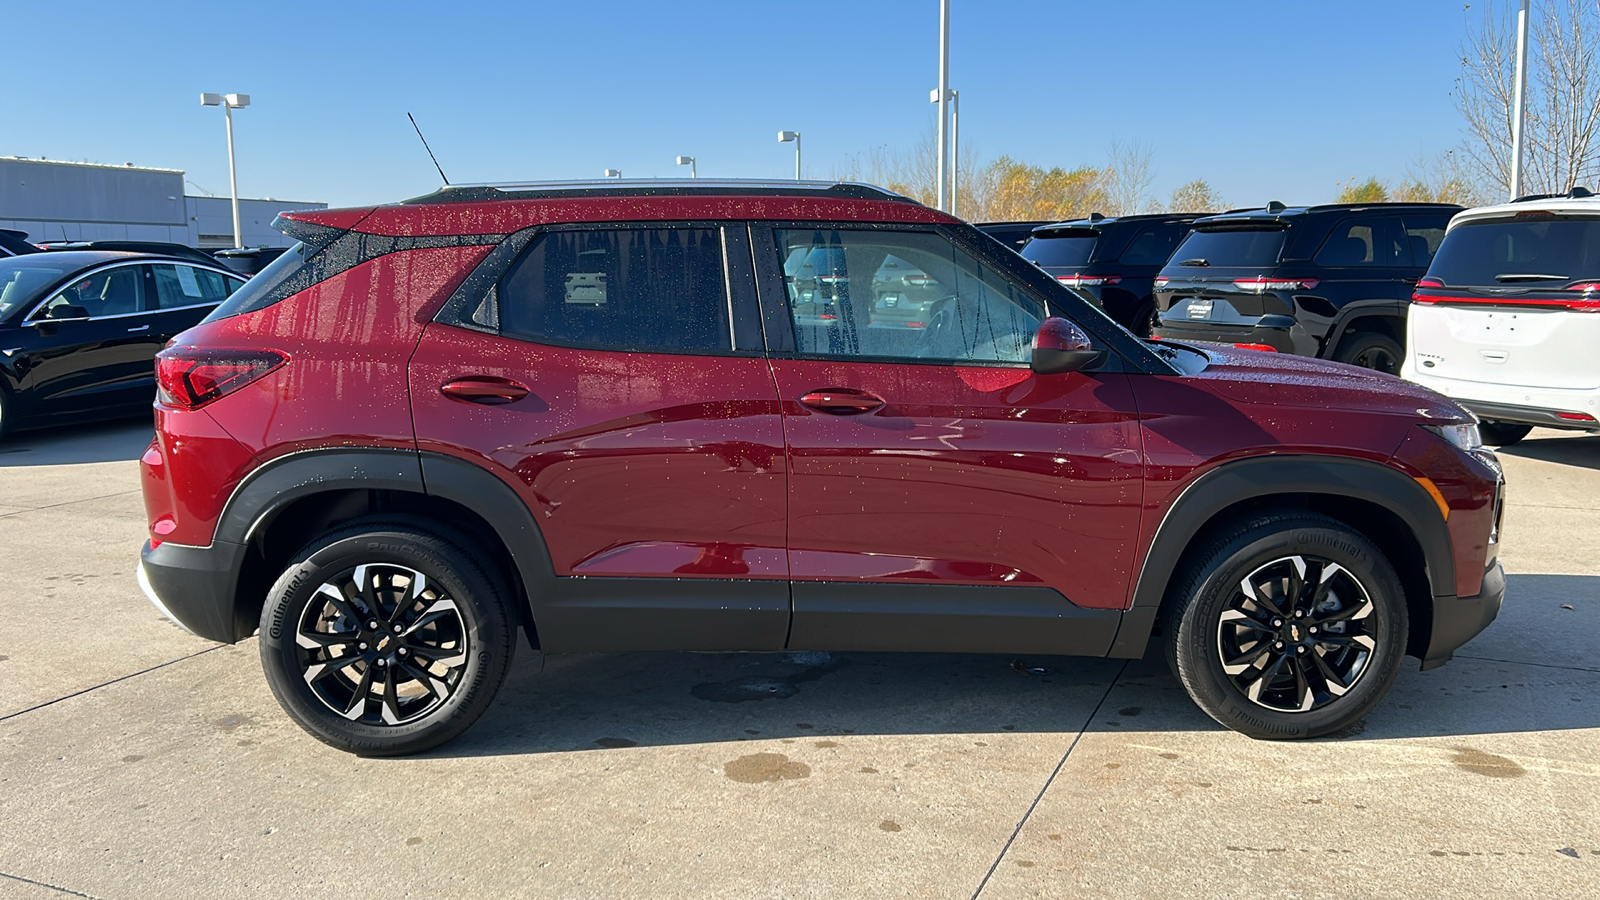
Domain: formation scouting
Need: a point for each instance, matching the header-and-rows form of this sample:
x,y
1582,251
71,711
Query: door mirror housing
x,y
1061,347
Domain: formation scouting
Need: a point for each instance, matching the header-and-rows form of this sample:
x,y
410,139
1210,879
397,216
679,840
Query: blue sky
x,y
1266,100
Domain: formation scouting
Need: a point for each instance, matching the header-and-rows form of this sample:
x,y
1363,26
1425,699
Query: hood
x,y
1281,379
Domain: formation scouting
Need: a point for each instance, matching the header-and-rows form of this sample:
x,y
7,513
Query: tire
x,y
1320,681
452,650
1502,434
1371,350
1144,321
5,413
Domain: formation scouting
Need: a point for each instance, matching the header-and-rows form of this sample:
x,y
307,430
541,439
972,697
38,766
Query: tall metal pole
x,y
797,156
955,147
233,178
1520,103
944,102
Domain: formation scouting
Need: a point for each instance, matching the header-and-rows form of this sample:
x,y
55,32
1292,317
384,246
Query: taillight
x,y
1588,302
1267,348
1429,283
1575,417
191,377
1260,284
1088,280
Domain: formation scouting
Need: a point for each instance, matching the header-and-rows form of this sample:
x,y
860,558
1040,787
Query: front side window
x,y
107,292
180,285
660,289
901,295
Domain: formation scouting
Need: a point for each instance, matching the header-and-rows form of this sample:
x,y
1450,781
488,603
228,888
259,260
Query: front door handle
x,y
489,390
139,329
841,401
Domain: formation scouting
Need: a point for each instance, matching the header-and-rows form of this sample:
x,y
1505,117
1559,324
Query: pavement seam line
x,y
170,662
69,503
1515,662
46,885
1051,780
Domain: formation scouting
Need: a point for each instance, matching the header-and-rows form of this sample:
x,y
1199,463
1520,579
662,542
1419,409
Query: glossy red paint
x,y
966,475
633,463
188,472
343,219
1468,487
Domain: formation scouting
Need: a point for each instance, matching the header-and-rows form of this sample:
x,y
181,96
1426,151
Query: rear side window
x,y
1152,246
660,289
1424,239
1252,248
178,286
1073,249
1530,252
1369,241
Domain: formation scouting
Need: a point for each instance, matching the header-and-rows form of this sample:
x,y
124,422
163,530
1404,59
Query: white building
x,y
84,202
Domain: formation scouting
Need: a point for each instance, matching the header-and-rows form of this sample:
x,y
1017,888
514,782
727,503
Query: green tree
x,y
1370,191
1198,196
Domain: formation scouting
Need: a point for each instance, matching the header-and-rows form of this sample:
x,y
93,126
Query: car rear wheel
x,y
1371,350
3,403
1502,434
1288,627
382,639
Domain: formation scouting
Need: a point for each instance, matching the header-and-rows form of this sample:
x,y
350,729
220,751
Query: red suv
x,y
596,412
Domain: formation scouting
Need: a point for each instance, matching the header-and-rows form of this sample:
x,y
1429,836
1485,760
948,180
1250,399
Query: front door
x,y
88,347
614,378
942,496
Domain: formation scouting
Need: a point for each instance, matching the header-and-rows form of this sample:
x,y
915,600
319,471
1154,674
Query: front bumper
x,y
196,587
1457,620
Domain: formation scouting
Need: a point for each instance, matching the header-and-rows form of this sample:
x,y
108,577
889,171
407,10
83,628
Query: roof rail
x,y
650,187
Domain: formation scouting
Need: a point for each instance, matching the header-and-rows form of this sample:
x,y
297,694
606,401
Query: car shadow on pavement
x,y
1529,672
115,441
1569,449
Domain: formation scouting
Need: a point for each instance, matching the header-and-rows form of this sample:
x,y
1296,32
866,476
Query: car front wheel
x,y
382,639
1288,627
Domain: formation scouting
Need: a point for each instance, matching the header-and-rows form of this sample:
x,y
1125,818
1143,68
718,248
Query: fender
x,y
1392,310
288,478
1265,476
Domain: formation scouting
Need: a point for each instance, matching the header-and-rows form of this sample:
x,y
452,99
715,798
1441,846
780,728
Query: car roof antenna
x,y
429,149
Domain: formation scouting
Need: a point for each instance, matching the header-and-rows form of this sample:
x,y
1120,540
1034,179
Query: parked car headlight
x,y
1463,436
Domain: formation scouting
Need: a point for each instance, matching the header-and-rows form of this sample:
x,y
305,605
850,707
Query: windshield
x,y
1253,248
23,281
1060,251
1533,253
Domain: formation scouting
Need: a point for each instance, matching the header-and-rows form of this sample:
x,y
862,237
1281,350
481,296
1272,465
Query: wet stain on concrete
x,y
1169,756
763,687
980,743
888,825
4,658
1054,837
765,767
869,770
133,757
1025,863
413,841
1488,764
1568,851
231,723
615,743
1113,765
1130,711
243,743
827,744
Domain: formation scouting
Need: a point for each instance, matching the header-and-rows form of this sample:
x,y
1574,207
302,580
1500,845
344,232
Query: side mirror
x,y
67,311
1061,346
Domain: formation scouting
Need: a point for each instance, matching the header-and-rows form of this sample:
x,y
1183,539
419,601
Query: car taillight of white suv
x,y
1508,316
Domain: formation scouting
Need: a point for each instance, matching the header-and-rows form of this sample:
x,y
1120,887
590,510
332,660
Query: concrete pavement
x,y
139,761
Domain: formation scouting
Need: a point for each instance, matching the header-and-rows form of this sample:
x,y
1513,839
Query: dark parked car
x,y
15,243
250,260
161,248
79,330
1113,260
1012,234
1331,281
599,414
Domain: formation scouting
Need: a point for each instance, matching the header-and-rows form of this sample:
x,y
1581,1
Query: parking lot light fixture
x,y
785,137
688,161
229,103
613,173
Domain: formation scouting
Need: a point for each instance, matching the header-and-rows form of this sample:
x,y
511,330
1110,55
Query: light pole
x,y
688,161
785,137
229,103
944,98
613,173
1519,103
949,175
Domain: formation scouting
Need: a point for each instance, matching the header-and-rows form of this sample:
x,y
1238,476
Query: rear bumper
x,y
1281,333
194,587
1509,402
1457,620
1525,415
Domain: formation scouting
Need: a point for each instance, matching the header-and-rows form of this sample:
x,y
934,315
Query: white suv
x,y
1507,320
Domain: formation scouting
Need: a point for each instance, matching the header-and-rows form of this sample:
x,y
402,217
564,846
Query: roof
x,y
684,187
64,162
1092,222
78,259
1578,206
1275,212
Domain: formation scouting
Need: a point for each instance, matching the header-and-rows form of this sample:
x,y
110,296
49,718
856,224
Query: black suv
x,y
1012,234
1114,260
1331,281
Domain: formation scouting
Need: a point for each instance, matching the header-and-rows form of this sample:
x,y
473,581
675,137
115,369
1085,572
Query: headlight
x,y
1464,437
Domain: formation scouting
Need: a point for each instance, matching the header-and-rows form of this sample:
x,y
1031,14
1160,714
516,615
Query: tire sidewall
x,y
1352,347
1195,639
483,616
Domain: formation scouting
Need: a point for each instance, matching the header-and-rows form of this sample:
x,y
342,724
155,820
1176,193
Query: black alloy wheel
x,y
1287,626
384,639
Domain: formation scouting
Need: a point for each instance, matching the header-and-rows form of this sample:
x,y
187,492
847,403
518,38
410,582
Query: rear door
x,y
1366,262
614,378
942,496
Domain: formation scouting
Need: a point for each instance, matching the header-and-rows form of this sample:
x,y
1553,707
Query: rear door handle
x,y
841,401
489,390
